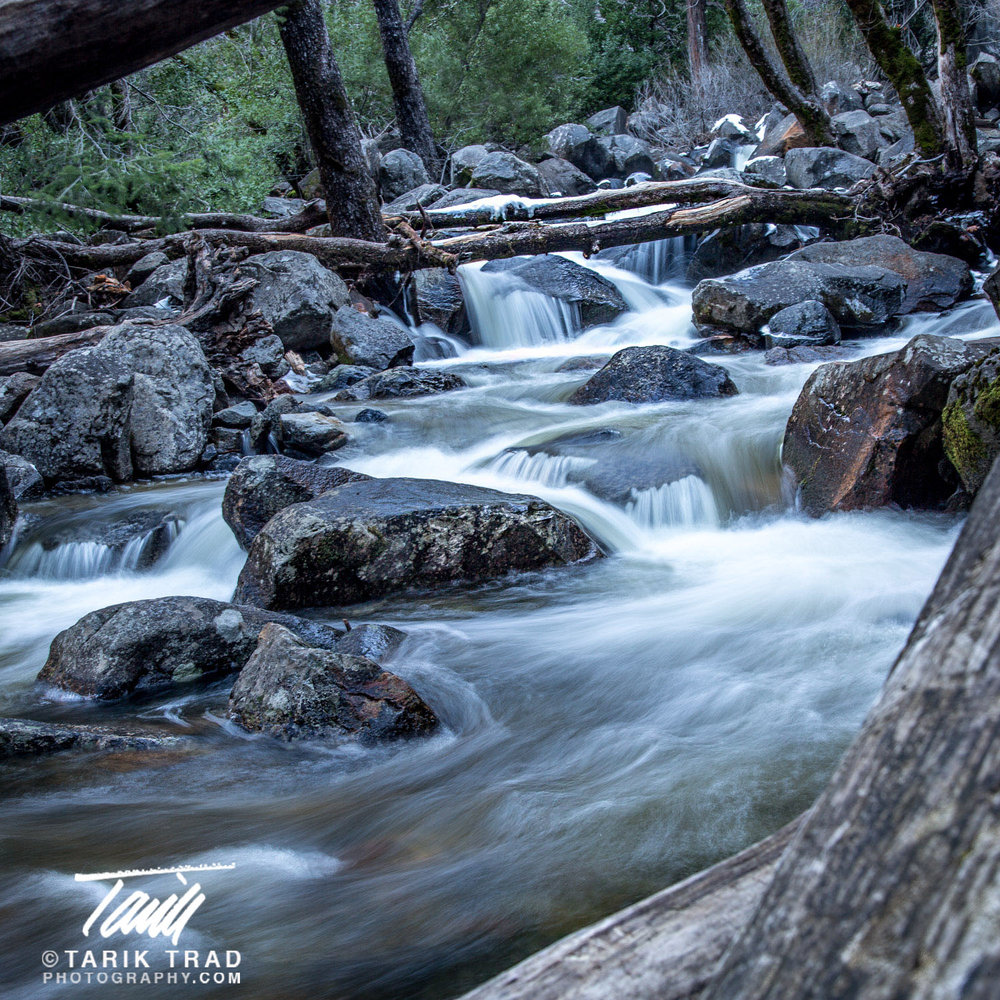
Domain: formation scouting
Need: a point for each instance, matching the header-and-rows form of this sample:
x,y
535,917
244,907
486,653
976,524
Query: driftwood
x,y
37,355
664,948
313,213
507,240
54,49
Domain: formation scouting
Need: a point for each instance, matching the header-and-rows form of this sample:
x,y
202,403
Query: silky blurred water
x,y
608,729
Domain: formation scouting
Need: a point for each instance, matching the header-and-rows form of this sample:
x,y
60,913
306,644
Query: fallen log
x,y
36,356
509,240
51,50
313,213
665,948
891,888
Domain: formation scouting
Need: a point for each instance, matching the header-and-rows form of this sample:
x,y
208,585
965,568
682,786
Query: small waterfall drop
x,y
548,470
685,503
505,313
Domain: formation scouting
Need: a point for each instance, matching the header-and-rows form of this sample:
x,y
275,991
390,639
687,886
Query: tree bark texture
x,y
958,112
51,50
407,94
792,55
352,201
697,40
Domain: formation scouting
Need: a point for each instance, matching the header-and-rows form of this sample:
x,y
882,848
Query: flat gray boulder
x,y
368,539
291,690
28,738
824,167
508,174
360,339
402,383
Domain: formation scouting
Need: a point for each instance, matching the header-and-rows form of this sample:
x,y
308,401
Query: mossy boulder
x,y
971,422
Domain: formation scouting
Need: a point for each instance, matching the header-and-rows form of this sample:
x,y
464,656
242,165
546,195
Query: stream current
x,y
608,729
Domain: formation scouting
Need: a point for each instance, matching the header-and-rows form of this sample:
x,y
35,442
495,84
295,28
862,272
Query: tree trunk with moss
x,y
407,93
905,73
352,202
791,52
809,112
957,112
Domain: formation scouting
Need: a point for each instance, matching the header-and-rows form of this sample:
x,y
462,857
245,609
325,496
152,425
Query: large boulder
x,y
464,162
75,424
142,646
823,167
438,299
768,168
562,179
262,485
173,393
292,690
734,248
360,339
368,539
781,135
859,133
508,174
985,73
463,196
598,300
971,422
401,171
165,284
402,383
858,297
268,353
14,390
579,145
310,434
653,375
867,433
296,295
933,280
411,201
838,99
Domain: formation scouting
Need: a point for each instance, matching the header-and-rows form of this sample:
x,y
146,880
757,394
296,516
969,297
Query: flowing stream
x,y
609,728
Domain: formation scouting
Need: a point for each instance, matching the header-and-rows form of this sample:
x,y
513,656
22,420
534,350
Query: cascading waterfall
x,y
655,262
505,313
547,470
686,503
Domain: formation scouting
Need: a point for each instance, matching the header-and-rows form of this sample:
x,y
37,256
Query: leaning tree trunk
x,y
957,112
892,887
791,52
51,50
697,40
352,202
905,73
811,115
407,94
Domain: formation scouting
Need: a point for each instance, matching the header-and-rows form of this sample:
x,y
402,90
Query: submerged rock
x,y
376,537
402,383
143,646
653,375
291,690
597,299
868,434
28,738
807,324
264,484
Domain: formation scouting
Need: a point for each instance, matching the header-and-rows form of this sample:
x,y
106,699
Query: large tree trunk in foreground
x,y
352,202
811,115
957,109
905,73
892,887
665,948
407,94
51,50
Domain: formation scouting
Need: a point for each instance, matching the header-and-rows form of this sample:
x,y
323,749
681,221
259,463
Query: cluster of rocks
x,y
918,428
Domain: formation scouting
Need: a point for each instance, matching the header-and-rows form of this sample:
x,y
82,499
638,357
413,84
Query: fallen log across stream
x,y
890,884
